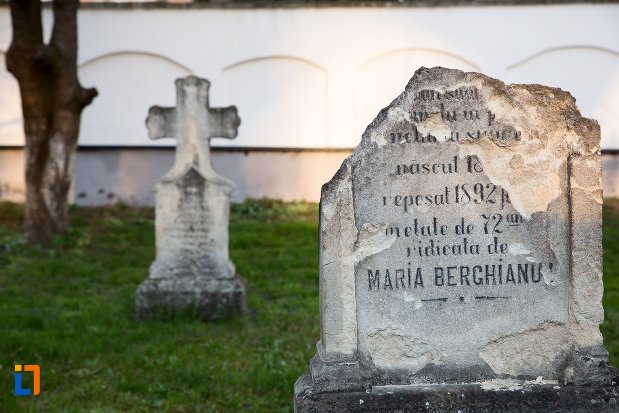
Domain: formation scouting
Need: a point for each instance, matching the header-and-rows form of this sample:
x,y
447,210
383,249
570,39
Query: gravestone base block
x,y
338,383
495,396
209,299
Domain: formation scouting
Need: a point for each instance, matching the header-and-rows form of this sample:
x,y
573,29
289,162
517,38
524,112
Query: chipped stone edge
x,y
589,361
338,329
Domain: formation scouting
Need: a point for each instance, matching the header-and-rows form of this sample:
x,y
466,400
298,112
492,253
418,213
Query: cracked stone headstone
x,y
192,271
460,257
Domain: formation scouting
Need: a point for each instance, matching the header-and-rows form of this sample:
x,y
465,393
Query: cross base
x,y
205,298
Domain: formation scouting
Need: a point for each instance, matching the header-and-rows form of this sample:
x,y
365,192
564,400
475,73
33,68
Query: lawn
x,y
610,328
69,308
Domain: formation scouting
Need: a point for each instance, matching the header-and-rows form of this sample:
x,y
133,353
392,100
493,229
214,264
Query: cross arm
x,y
224,122
162,122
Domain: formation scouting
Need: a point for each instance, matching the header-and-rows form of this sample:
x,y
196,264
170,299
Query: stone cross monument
x,y
192,271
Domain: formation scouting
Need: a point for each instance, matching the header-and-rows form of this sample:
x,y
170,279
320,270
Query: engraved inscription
x,y
454,230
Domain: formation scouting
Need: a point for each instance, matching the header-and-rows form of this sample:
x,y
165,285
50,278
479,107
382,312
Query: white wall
x,y
314,78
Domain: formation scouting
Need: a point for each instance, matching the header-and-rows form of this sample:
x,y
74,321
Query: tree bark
x,y
52,103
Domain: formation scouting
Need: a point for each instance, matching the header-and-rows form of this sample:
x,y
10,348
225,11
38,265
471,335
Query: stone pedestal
x,y
493,397
208,299
192,272
341,386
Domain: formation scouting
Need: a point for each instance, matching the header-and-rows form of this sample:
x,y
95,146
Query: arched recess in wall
x,y
589,73
11,125
281,102
129,83
383,78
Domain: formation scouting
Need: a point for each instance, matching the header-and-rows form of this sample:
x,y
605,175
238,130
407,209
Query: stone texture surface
x,y
461,242
192,271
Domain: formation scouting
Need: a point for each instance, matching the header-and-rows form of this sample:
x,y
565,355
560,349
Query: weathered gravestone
x,y
192,271
460,257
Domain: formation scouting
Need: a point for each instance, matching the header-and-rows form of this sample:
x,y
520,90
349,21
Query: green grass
x,y
610,328
69,308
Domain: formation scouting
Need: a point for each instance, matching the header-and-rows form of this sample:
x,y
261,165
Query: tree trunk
x,y
52,103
